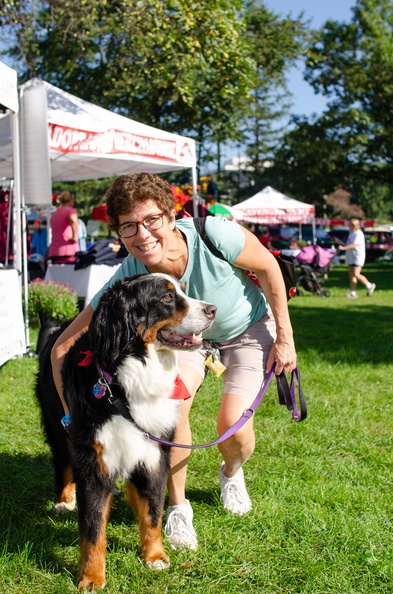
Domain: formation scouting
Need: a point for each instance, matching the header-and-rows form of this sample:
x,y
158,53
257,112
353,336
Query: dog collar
x,y
180,391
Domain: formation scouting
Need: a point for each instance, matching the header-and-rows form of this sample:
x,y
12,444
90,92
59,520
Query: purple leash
x,y
286,395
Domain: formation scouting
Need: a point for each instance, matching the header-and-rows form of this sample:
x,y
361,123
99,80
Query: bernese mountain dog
x,y
119,381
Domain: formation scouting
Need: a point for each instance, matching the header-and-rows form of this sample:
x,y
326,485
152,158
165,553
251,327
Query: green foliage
x,y
350,145
52,299
321,489
188,67
275,43
173,63
88,194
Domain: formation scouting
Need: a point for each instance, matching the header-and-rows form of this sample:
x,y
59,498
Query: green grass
x,y
321,489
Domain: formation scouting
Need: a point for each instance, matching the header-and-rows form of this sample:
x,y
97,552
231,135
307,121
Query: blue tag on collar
x,y
99,390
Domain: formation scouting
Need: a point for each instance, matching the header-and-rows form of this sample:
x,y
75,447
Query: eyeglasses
x,y
151,223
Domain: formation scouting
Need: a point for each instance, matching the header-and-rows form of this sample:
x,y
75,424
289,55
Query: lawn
x,y
321,489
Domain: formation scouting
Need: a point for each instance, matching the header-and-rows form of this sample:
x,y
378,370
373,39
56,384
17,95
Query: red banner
x,y
71,140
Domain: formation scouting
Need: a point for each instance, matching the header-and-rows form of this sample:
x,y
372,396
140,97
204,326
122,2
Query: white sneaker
x,y
371,290
179,529
351,295
234,496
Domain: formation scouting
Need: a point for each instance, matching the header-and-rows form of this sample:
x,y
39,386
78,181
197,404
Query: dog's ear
x,y
113,327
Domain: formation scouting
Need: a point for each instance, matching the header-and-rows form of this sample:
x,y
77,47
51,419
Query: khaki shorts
x,y
245,358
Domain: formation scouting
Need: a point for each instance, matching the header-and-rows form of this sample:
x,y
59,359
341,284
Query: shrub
x,y
52,299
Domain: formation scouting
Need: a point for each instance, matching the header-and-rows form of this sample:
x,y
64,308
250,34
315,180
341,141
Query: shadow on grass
x,y
27,522
362,334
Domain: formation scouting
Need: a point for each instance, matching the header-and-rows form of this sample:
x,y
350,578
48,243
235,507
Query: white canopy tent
x,y
270,207
86,141
63,138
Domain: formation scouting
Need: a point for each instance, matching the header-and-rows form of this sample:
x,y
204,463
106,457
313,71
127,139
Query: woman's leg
x,y
179,520
237,449
180,456
359,276
245,358
352,277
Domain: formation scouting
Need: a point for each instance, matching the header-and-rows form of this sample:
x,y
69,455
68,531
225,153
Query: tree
x,y
350,145
189,67
176,64
275,43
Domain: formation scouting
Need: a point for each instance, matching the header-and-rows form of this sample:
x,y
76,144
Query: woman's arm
x,y
74,226
257,258
63,345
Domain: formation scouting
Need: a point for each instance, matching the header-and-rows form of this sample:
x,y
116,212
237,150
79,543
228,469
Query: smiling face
x,y
149,247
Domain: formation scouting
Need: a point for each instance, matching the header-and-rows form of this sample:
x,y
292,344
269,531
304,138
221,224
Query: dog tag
x,y
98,390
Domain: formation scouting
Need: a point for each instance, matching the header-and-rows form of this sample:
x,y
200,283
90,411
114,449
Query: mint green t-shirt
x,y
240,302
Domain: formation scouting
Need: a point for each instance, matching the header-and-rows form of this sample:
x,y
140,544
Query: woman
x,y
65,229
249,336
355,249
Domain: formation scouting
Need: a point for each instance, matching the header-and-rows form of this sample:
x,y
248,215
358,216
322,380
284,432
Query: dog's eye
x,y
168,297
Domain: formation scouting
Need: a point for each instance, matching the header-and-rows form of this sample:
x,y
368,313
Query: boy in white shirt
x,y
355,258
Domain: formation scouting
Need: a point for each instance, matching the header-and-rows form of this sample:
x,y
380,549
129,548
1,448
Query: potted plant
x,y
52,303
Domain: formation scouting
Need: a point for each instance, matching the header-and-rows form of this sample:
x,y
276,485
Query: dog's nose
x,y
210,311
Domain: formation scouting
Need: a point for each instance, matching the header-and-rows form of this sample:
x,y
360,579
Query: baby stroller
x,y
315,264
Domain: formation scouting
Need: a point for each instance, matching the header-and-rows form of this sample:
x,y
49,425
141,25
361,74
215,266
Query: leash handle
x,y
299,416
287,394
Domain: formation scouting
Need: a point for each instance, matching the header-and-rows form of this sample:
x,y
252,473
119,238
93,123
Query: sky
x,y
304,100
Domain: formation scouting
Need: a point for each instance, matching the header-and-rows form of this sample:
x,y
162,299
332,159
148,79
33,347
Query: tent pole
x,y
10,223
17,192
194,191
23,224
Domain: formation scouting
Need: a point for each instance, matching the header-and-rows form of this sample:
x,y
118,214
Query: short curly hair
x,y
129,189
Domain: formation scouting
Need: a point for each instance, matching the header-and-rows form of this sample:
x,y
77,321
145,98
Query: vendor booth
x,y
12,331
270,207
86,141
64,138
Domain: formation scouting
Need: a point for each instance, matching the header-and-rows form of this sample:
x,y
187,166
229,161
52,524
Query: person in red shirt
x,y
64,226
264,238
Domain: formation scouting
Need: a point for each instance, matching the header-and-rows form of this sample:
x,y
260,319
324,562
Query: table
x,y
85,281
12,333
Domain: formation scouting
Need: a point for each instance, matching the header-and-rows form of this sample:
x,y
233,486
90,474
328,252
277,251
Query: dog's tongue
x,y
183,339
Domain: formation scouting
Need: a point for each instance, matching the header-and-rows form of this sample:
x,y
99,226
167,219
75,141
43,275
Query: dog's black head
x,y
142,310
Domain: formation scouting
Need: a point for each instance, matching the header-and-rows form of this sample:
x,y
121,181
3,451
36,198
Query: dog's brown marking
x,y
92,556
151,333
150,535
100,449
67,494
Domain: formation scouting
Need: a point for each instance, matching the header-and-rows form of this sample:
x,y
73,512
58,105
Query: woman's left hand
x,y
284,355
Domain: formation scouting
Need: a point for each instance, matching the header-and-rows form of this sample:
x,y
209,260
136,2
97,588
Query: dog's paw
x,y
158,565
64,507
86,585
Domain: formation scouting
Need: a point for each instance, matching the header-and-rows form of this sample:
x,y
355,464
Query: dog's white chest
x,y
125,447
148,388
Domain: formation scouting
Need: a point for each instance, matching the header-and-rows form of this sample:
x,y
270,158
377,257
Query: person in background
x,y
82,236
355,249
252,328
265,239
65,230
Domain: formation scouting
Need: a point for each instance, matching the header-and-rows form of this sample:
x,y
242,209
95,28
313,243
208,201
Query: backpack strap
x,y
200,226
